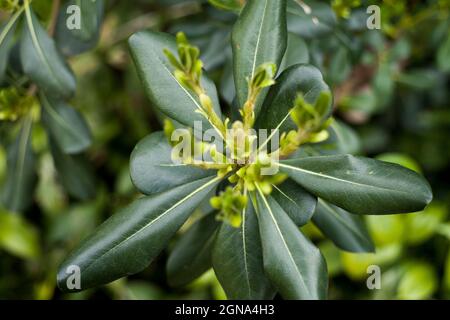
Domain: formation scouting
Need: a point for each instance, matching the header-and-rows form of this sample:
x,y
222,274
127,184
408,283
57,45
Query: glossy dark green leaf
x,y
152,169
17,191
191,256
238,262
292,263
346,230
295,201
66,125
310,18
360,185
259,36
77,40
41,60
74,172
300,78
161,86
129,240
6,41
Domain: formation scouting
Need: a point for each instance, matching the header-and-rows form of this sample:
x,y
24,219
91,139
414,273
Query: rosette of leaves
x,y
36,85
250,236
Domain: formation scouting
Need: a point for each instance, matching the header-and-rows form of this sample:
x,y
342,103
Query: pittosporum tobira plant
x,y
260,189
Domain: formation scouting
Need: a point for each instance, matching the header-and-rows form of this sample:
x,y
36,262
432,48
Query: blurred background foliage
x,y
391,86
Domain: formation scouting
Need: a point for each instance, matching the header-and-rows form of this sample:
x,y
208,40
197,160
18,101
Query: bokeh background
x,y
391,87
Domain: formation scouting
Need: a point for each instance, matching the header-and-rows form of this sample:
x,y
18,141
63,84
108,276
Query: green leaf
x,y
295,201
418,282
339,67
443,55
296,52
419,79
232,5
238,261
17,236
152,169
347,140
6,41
421,226
161,86
293,264
129,240
191,256
77,40
41,60
74,173
17,191
360,185
259,36
300,78
66,125
310,18
347,231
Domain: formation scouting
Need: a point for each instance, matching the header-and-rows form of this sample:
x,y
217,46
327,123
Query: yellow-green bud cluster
x,y
263,78
230,203
240,142
9,5
312,121
13,105
251,175
188,68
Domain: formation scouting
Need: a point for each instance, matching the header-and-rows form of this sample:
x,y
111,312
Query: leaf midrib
x,y
153,221
282,237
342,180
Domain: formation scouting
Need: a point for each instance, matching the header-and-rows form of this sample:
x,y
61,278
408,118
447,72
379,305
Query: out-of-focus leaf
x,y
232,5
419,281
401,159
17,236
296,52
66,125
355,264
41,60
420,226
339,67
364,101
17,191
74,40
74,172
6,41
419,79
310,18
443,55
388,229
142,290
